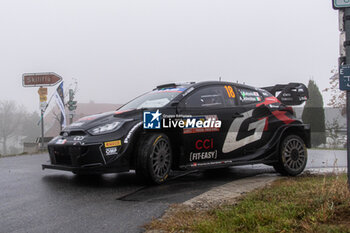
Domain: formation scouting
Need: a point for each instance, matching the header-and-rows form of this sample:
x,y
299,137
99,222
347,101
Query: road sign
x,y
344,77
337,4
42,91
40,79
43,98
72,107
342,40
43,105
341,20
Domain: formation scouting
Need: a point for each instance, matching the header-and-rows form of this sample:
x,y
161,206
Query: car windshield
x,y
154,99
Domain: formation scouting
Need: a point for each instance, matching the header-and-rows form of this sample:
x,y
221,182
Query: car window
x,y
230,96
209,97
248,96
154,99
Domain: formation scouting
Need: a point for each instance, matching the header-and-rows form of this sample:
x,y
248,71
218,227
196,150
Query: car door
x,y
204,145
247,132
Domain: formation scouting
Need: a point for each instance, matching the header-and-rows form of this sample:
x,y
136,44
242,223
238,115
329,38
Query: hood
x,y
92,121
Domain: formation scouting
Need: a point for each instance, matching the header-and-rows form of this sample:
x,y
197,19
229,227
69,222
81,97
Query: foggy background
x,y
117,50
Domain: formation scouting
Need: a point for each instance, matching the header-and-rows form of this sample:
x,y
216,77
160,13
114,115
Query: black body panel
x,y
253,123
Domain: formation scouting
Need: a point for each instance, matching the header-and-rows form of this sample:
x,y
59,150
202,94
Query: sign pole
x,y
41,80
347,49
42,130
344,70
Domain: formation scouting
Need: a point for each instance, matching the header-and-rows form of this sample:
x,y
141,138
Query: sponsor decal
x,y
61,141
113,143
195,156
78,138
195,122
204,144
111,151
231,143
211,163
131,132
151,120
210,124
249,98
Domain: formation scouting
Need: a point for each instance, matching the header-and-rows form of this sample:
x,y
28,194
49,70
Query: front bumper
x,y
82,158
98,169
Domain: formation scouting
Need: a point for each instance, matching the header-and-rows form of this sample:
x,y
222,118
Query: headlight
x,y
103,129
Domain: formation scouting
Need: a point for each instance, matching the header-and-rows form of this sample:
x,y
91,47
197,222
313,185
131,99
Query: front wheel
x,y
154,158
293,156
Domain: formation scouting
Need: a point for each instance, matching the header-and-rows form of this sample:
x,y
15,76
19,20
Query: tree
x,y
313,114
338,97
333,129
10,122
30,128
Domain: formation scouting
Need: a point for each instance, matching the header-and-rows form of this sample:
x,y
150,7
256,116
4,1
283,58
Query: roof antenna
x,y
220,78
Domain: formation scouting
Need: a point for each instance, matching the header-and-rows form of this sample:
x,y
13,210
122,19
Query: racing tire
x,y
292,158
154,158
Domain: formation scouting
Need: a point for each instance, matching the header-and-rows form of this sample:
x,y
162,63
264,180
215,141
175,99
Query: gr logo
x,y
231,143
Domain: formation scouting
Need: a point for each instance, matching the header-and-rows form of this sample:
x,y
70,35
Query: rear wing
x,y
289,94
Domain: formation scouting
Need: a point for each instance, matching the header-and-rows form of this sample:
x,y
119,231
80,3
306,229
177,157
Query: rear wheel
x,y
293,156
154,158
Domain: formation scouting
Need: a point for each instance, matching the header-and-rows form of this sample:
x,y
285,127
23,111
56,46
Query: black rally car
x,y
189,126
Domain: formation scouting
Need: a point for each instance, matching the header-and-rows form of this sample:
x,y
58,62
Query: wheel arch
x,y
303,131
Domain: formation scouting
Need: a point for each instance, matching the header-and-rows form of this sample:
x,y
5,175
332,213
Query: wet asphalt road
x,y
32,200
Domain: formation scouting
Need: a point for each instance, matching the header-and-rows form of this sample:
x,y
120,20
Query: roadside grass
x,y
308,203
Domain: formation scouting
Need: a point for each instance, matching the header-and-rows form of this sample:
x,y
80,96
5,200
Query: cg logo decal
x,y
231,142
